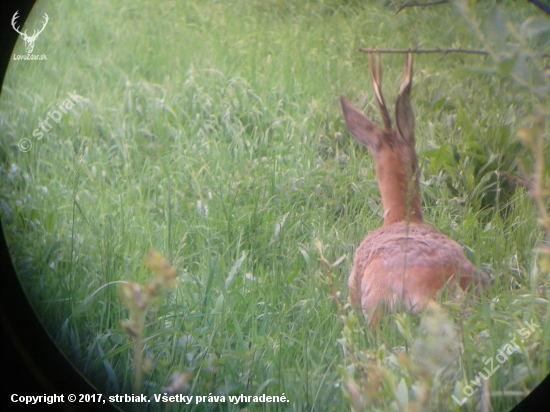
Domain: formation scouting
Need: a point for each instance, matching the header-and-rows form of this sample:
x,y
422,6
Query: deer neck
x,y
400,191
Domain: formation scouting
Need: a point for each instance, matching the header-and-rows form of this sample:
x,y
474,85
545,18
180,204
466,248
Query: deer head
x,y
393,148
29,40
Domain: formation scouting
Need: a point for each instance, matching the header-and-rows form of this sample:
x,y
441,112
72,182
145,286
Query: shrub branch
x,y
424,51
421,4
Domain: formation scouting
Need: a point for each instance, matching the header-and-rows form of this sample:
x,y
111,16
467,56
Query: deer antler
x,y
14,18
29,40
376,74
46,19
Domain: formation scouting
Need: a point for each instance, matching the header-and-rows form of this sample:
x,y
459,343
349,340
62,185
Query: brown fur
x,y
405,262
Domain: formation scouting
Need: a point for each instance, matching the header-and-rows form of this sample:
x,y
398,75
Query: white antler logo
x,y
29,40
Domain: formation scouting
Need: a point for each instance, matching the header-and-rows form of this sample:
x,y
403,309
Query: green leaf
x,y
402,395
495,28
522,71
444,156
218,306
438,105
233,272
534,27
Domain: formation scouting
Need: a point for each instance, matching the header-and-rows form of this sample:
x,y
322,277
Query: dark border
x,y
30,363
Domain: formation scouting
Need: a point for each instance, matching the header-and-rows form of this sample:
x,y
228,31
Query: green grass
x,y
211,131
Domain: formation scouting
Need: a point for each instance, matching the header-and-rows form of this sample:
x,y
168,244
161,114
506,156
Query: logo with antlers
x,y
29,40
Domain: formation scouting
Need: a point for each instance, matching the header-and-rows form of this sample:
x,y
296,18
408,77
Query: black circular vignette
x,y
30,362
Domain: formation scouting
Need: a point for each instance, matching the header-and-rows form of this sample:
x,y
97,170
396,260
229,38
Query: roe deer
x,y
405,261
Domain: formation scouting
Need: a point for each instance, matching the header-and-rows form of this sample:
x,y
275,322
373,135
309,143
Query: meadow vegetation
x,y
211,131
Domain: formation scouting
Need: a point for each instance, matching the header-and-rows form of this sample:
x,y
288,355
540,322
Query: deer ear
x,y
364,130
404,116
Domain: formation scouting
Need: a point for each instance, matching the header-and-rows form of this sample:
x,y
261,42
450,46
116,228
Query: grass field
x,y
211,131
